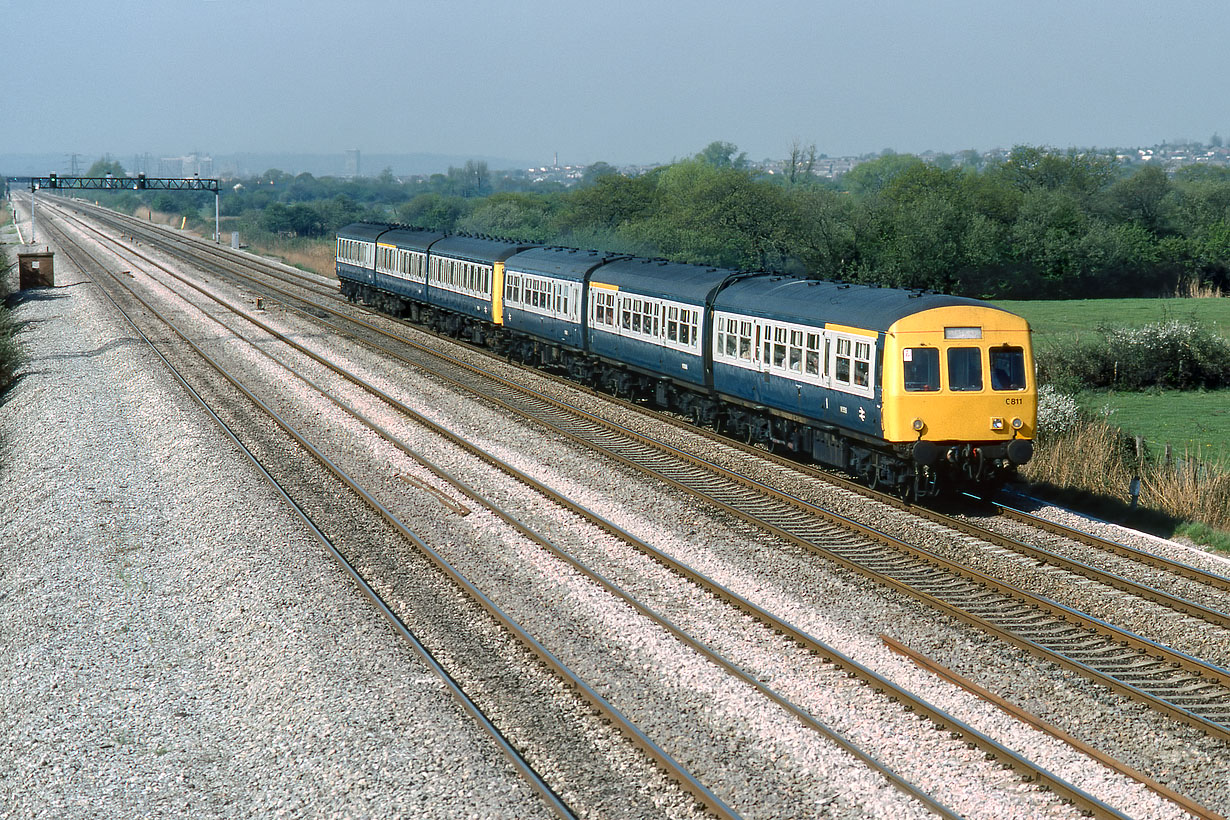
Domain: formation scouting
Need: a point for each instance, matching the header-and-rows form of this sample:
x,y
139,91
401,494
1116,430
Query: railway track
x,y
1036,624
1032,771
591,695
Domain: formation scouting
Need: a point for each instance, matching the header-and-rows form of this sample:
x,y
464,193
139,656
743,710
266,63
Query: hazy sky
x,y
621,80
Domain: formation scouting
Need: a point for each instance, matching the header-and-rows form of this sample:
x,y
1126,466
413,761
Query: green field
x,y
1056,322
1191,422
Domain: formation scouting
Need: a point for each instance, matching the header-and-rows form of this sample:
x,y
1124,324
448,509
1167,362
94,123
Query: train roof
x,y
810,301
362,230
558,263
478,248
662,279
417,239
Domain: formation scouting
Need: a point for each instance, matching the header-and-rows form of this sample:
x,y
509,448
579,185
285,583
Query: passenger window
x,y
964,368
813,354
922,368
841,367
1007,368
745,341
862,363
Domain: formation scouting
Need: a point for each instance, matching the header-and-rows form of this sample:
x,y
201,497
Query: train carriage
x,y
356,255
401,261
465,276
920,392
876,380
544,301
650,315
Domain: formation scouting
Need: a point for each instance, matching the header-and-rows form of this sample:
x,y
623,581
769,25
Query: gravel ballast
x,y
172,643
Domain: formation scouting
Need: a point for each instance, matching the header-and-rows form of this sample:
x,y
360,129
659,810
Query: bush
x,y
11,355
1058,412
1170,355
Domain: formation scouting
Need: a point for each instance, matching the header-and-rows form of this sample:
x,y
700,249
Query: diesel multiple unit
x,y
916,392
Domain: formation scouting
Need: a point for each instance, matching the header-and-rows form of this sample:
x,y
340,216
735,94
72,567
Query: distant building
x,y
353,169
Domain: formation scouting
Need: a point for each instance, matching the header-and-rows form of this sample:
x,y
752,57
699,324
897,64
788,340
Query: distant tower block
x,y
352,162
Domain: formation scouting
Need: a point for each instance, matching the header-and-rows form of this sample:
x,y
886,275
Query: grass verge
x,y
1090,467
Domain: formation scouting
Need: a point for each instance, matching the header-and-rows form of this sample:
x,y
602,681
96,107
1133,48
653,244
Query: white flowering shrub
x,y
1058,412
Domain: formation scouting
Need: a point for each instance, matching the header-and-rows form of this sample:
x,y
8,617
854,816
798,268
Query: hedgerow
x,y
1170,355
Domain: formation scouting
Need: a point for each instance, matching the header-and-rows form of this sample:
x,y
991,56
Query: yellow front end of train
x,y
958,382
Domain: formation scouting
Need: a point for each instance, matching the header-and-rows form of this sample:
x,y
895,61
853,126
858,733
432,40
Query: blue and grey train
x,y
914,392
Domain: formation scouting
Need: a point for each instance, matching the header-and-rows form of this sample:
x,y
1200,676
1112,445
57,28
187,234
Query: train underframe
x,y
917,470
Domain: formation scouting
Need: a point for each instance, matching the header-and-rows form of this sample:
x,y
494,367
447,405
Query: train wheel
x,y
871,471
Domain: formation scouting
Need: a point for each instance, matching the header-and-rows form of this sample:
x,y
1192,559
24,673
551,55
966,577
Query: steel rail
x,y
939,670
830,654
1124,584
699,646
1188,571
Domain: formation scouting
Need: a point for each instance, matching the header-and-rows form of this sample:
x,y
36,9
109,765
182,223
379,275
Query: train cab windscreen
x,y
964,368
922,369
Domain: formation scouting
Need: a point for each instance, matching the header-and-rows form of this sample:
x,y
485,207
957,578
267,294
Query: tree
x,y
802,162
1081,173
612,201
474,178
969,158
716,216
433,211
871,177
820,232
1044,237
519,216
593,172
1142,198
722,155
106,166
